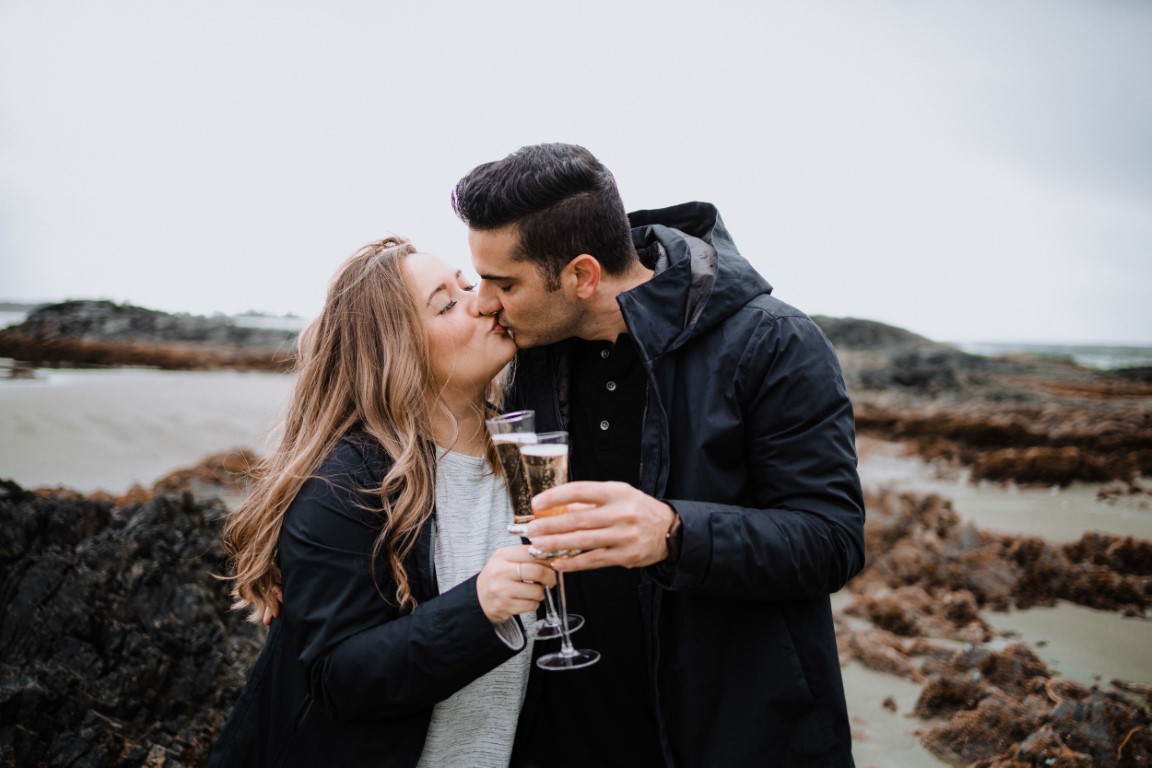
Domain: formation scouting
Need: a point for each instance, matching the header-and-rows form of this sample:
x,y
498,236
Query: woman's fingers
x,y
512,582
533,571
273,611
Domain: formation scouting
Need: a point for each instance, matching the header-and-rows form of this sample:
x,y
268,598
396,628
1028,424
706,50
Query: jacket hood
x,y
701,279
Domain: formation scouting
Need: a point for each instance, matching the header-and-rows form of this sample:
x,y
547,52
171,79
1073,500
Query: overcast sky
x,y
976,170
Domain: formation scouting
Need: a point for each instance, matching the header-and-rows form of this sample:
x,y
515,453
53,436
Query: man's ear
x,y
583,273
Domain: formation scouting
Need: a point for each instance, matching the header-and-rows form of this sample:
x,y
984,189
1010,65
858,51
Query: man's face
x,y
516,290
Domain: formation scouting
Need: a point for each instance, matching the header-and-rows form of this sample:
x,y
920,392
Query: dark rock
x,y
945,695
117,646
108,321
925,582
927,573
1142,374
1041,465
996,724
854,333
1042,748
925,369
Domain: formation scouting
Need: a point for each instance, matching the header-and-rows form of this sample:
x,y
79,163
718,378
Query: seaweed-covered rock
x,y
88,320
117,645
85,333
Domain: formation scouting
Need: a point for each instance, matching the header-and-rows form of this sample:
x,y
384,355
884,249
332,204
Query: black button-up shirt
x,y
601,715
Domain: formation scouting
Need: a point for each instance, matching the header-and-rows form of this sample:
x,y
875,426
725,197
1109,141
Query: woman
x,y
398,642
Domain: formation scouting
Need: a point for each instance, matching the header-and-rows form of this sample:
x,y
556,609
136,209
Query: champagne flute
x,y
509,432
546,466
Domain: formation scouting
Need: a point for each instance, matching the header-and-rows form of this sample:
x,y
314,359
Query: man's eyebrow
x,y
495,277
441,287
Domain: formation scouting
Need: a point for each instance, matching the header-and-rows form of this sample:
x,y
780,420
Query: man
x,y
713,442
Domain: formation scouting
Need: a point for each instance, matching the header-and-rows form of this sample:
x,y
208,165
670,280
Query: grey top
x,y
474,727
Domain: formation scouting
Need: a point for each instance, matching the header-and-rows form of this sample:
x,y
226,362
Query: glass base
x,y
574,659
546,630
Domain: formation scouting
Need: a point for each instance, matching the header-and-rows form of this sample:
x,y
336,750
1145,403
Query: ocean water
x,y
1101,356
271,322
11,318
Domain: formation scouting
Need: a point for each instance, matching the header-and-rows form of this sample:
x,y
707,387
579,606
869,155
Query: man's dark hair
x,y
563,201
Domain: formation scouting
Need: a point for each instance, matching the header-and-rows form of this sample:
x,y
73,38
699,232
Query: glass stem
x,y
566,648
550,616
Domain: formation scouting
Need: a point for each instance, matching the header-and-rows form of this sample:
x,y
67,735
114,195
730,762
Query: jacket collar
x,y
700,277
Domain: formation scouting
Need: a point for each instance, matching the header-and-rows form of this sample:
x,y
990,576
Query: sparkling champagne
x,y
546,466
545,463
508,449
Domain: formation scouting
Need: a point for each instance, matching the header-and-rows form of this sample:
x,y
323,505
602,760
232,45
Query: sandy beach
x,y
1081,644
106,430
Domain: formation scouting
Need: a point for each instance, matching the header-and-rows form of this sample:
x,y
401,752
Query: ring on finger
x,y
519,575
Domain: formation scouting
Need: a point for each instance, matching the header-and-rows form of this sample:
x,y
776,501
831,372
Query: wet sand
x,y
1056,514
106,430
1081,644
95,430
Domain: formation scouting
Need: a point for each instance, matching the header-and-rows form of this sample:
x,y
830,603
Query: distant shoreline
x,y
12,317
1101,356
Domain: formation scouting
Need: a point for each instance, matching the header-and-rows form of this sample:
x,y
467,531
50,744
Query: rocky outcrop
x,y
928,573
875,356
117,645
1047,432
110,322
1028,420
916,611
103,333
850,333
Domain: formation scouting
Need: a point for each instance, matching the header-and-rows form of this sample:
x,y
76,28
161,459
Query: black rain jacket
x,y
345,678
749,434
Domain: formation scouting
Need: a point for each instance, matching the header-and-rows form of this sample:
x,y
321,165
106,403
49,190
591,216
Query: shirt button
x,y
604,425
604,354
611,386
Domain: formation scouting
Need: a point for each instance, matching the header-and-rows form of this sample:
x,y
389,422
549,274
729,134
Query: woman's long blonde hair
x,y
363,362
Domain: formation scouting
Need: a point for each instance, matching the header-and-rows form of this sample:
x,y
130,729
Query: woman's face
x,y
467,350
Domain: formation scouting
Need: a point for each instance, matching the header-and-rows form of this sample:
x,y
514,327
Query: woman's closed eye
x,y
466,288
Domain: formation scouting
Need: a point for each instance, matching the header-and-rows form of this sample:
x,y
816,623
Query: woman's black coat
x,y
345,678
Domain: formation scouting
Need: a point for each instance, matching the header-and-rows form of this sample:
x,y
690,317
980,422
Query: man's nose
x,y
487,302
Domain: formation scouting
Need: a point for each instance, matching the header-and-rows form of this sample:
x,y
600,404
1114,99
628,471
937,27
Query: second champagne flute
x,y
546,466
510,431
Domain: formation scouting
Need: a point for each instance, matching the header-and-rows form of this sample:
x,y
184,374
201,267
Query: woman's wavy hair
x,y
363,363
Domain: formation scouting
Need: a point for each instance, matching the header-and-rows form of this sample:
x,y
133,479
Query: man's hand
x,y
610,523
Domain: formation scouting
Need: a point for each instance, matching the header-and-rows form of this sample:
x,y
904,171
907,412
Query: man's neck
x,y
604,321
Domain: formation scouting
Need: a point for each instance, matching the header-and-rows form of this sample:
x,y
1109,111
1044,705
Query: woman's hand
x,y
512,582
